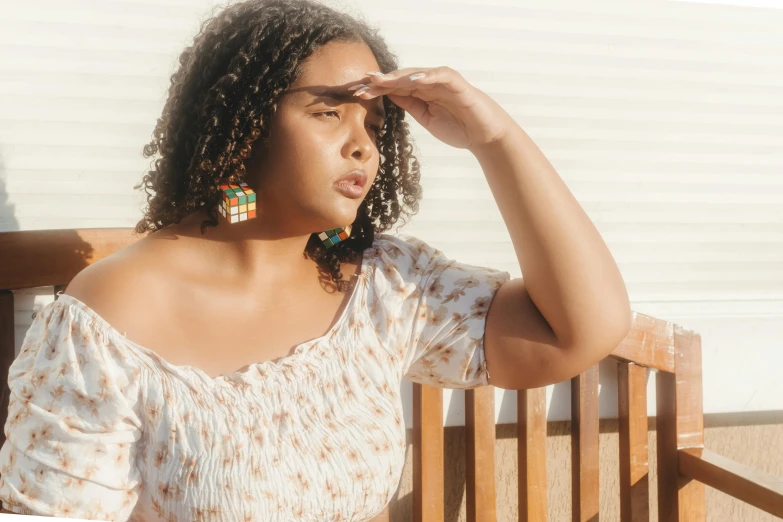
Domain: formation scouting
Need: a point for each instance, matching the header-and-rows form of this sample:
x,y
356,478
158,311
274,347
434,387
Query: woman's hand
x,y
444,103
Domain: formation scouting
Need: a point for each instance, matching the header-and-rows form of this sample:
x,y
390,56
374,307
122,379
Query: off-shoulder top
x,y
102,428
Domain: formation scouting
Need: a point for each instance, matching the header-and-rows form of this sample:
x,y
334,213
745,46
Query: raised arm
x,y
571,308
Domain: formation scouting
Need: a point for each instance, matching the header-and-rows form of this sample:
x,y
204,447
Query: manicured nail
x,y
416,76
361,91
376,73
354,87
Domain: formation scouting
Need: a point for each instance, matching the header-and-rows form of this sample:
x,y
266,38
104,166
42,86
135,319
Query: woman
x,y
209,373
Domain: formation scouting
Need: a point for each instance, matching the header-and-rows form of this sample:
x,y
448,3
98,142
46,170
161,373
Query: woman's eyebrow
x,y
343,95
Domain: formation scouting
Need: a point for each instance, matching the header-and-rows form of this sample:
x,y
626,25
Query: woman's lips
x,y
348,189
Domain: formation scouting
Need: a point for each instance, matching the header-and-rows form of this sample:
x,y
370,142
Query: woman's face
x,y
315,139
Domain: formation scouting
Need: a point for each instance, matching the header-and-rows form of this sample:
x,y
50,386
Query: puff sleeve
x,y
431,311
72,429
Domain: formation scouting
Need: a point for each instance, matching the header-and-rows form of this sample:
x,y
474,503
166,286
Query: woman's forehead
x,y
338,63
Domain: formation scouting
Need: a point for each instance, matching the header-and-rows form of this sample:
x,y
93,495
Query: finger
x,y
435,83
368,92
413,106
395,77
442,83
401,86
444,78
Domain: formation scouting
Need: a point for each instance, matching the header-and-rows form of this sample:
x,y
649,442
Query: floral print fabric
x,y
102,428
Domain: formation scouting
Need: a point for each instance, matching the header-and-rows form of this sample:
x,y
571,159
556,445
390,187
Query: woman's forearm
x,y
569,272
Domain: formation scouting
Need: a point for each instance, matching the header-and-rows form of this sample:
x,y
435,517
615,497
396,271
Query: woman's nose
x,y
362,140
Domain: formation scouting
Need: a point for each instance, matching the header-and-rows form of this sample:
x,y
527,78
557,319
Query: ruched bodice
x,y
102,428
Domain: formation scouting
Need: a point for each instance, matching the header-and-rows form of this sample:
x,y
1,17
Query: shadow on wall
x,y
7,217
28,258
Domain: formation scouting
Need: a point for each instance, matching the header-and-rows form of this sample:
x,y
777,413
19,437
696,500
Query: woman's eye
x,y
375,128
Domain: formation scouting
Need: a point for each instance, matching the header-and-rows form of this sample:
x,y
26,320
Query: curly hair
x,y
226,88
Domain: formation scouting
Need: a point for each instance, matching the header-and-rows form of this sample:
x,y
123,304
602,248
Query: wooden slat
x,y
634,455
531,446
7,353
649,343
680,425
35,258
480,447
758,489
584,446
428,486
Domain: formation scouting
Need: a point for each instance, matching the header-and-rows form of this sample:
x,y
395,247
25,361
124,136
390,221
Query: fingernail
x,y
361,91
376,73
416,76
354,87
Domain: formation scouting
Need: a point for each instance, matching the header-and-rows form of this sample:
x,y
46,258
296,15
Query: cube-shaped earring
x,y
329,238
238,202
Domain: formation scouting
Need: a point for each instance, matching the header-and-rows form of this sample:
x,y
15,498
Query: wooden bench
x,y
53,257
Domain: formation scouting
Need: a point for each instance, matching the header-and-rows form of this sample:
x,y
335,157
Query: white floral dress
x,y
101,428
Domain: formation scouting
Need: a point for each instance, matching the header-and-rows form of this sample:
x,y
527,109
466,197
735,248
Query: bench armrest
x,y
757,488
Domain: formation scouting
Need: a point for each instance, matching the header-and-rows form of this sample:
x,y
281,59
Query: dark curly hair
x,y
228,86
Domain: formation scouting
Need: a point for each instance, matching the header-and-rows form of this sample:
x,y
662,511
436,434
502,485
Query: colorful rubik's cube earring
x,y
238,203
329,238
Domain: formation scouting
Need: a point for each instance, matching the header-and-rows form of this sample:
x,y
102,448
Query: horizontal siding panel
x,y
655,233
613,211
97,13
646,235
81,109
710,178
684,160
47,221
30,188
641,142
89,86
724,18
625,190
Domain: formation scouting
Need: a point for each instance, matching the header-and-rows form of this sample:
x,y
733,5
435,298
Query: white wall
x,y
665,119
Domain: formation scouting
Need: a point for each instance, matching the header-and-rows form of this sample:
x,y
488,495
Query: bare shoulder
x,y
120,285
